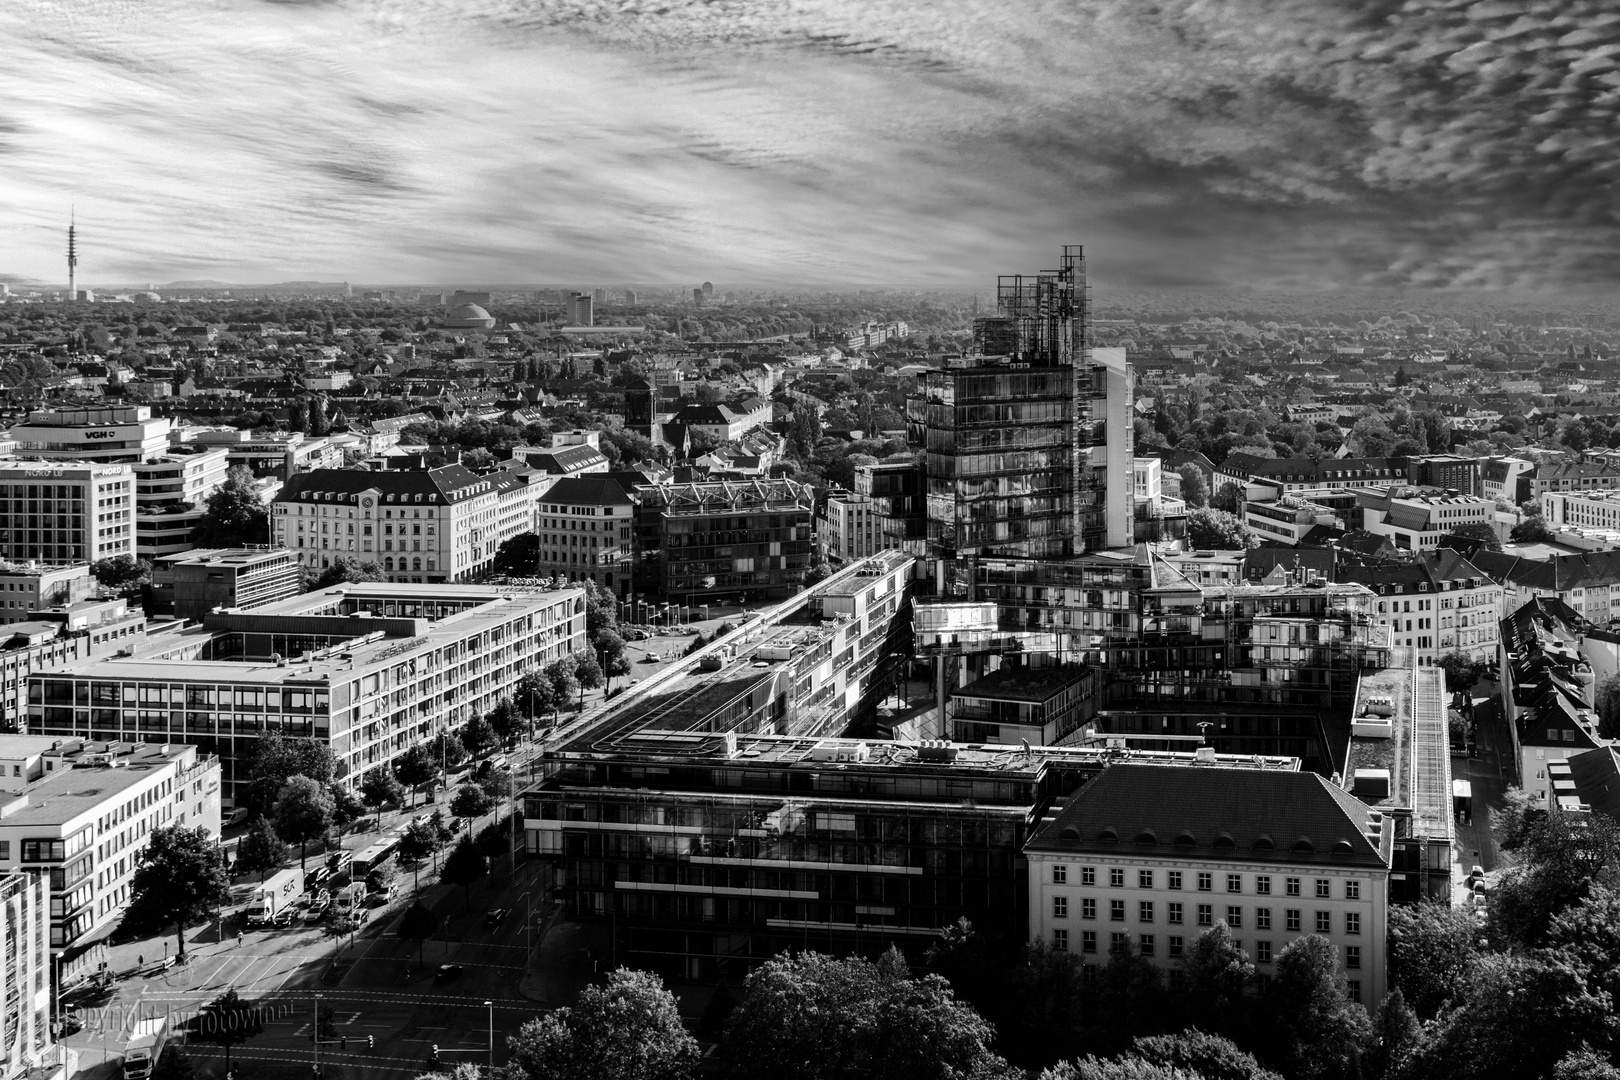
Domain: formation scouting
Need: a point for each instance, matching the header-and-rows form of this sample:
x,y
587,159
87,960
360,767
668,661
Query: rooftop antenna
x,y
73,256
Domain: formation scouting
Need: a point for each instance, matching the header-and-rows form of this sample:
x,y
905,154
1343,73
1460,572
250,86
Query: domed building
x,y
469,317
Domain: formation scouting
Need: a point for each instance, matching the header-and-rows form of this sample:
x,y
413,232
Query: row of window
x,y
1176,947
1205,880
1175,913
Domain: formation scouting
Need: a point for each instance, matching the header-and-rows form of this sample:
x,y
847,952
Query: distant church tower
x,y
73,260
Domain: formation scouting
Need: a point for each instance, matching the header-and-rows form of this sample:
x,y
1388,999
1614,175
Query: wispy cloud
x,y
1428,142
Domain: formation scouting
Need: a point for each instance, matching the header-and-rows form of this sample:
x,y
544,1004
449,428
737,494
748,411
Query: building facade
x,y
115,434
60,512
724,539
171,489
1156,855
190,585
27,588
1415,521
586,530
1434,604
29,1048
368,668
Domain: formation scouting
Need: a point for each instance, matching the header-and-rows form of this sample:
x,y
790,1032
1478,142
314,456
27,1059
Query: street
x,y
1489,773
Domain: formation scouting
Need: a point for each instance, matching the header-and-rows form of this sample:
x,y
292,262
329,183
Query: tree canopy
x,y
1217,529
180,877
234,515
626,1029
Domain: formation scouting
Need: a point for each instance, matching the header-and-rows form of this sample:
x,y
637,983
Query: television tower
x,y
73,259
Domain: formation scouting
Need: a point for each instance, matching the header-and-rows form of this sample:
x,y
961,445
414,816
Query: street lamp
x,y
490,1005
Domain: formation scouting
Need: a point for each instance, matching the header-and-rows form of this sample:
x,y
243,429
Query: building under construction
x,y
724,539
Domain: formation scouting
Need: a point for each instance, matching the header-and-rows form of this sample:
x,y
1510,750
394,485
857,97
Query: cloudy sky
x,y
1315,143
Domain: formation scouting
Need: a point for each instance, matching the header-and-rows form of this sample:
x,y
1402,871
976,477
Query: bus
x,y
373,857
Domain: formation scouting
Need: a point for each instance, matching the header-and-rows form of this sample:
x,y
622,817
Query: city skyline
x,y
1269,143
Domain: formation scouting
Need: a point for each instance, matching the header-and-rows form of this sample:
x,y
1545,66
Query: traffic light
x,y
435,1054
343,1042
371,1042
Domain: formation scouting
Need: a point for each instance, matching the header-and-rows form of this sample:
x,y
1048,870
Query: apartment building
x,y
1588,582
1507,479
586,529
370,669
1434,604
1449,472
1297,474
52,637
419,525
62,512
1599,474
1417,521
849,527
1547,690
1156,855
84,824
26,588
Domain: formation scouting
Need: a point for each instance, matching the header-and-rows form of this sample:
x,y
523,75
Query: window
x,y
1324,888
1234,917
1144,911
1352,957
1324,922
1144,942
1144,879
1088,875
1060,907
1173,912
1088,941
1352,922
1116,877
1206,914
1206,881
1352,989
1175,880
1291,920
1088,908
1262,918
1234,882
1291,886
1116,911
1060,940
1116,940
1262,884
1262,952
5,849
1060,874
1173,946
1352,890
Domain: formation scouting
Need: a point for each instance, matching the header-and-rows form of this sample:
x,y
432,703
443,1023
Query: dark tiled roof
x,y
1597,779
593,490
1212,806
448,484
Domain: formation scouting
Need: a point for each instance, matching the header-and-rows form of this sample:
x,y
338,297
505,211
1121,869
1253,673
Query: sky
x,y
1311,144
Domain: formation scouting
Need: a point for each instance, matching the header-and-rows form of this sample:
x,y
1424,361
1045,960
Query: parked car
x,y
447,973
633,634
1477,873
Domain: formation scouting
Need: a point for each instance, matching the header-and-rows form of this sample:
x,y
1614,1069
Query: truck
x,y
350,901
145,1046
277,895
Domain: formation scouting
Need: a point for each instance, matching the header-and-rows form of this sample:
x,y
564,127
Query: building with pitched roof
x,y
1156,855
420,525
1588,583
586,530
1585,475
1298,473
1434,604
1547,689
1417,520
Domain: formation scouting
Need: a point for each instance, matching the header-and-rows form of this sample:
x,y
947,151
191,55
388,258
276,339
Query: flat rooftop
x,y
70,790
1022,684
225,556
1392,754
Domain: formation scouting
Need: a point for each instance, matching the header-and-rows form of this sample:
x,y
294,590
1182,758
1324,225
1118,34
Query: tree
x,y
346,807
1532,530
1561,859
447,748
123,574
260,850
505,722
1467,537
173,1064
1209,528
1585,1064
303,813
470,801
228,1022
1219,977
1399,1035
477,735
418,924
180,878
1226,498
419,840
601,611
809,1016
379,788
818,573
1432,954
1587,937
1194,485
564,686
463,866
1320,1032
277,759
627,1029
234,515
533,694
1132,991
1462,671
414,767
345,569
518,556
587,671
610,647
1199,1054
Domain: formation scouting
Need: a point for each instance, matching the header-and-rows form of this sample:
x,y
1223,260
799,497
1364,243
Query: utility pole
x,y
491,1006
315,1037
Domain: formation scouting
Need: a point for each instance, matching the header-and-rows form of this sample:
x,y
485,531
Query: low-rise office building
x,y
1156,855
586,531
171,490
52,637
1418,521
84,824
125,433
193,583
28,587
368,668
724,539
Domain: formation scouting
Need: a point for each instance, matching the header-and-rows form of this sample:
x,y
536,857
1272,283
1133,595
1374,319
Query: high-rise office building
x,y
581,310
1028,448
